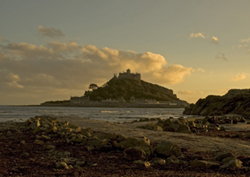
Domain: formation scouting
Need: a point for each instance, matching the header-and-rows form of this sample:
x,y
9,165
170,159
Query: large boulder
x,y
167,149
134,153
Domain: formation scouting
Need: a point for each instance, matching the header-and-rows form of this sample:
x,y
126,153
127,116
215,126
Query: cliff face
x,y
236,101
118,88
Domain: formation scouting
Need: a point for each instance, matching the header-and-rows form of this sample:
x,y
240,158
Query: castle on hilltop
x,y
129,75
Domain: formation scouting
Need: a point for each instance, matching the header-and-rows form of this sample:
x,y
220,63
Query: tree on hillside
x,y
93,86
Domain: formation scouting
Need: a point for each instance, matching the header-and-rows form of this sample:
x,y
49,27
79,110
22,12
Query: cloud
x,y
197,35
245,40
65,69
50,32
221,56
215,40
200,70
189,92
2,39
240,76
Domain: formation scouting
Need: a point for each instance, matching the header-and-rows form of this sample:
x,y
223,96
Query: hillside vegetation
x,y
236,101
124,88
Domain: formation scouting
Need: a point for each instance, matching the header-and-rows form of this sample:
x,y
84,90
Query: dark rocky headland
x,y
236,101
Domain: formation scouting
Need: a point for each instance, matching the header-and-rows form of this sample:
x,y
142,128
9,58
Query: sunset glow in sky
x,y
51,50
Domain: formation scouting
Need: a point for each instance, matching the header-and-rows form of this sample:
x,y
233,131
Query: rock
x,y
40,142
222,128
24,155
225,160
191,124
144,163
173,160
69,160
232,164
62,165
134,153
159,161
133,142
222,155
183,129
167,149
22,142
236,101
120,137
96,142
204,164
151,126
49,147
80,163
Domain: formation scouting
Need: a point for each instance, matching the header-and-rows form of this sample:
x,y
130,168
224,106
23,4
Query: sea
x,y
22,113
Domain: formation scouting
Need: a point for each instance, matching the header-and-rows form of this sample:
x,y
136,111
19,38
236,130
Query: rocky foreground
x,y
47,146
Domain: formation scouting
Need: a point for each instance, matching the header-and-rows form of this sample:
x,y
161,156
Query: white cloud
x,y
200,70
50,32
215,40
240,76
197,35
71,67
245,40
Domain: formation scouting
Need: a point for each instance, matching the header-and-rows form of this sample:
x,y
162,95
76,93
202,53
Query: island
x,y
125,90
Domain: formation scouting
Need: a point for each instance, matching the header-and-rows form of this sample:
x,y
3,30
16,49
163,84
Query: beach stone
x,y
164,123
62,165
144,163
39,142
167,149
132,142
120,137
69,160
222,155
232,164
225,160
49,147
159,161
183,129
173,160
171,128
151,126
22,142
204,164
80,163
222,128
51,129
24,155
191,124
96,142
134,153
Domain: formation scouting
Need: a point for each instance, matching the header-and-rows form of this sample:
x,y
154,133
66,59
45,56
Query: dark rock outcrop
x,y
236,101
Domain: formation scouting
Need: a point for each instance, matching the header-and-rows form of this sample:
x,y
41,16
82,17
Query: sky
x,y
52,50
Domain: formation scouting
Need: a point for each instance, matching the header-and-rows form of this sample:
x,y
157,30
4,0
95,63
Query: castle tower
x,y
128,71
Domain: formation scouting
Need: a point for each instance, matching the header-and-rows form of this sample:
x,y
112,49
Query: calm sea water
x,y
22,113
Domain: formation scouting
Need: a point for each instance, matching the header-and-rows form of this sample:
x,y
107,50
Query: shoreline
x,y
74,147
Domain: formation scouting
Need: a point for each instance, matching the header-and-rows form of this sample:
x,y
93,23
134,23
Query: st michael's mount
x,y
125,90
